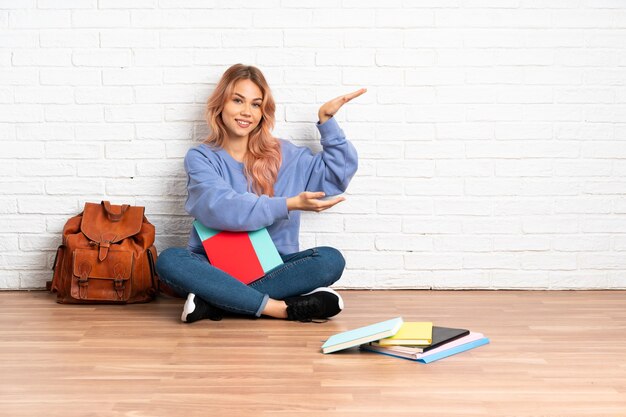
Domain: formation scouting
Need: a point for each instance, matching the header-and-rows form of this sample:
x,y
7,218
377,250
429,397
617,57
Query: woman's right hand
x,y
310,201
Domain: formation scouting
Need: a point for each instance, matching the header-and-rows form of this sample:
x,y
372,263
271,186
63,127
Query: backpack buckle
x,y
105,243
83,279
118,283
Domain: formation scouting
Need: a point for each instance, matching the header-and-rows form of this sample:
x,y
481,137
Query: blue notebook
x,y
362,335
454,351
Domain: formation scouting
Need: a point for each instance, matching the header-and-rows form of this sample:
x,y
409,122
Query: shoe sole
x,y
189,307
330,290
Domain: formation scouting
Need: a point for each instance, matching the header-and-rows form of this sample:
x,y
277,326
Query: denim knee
x,y
166,261
334,264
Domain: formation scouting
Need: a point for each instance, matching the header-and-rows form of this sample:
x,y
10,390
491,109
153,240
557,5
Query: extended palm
x,y
331,107
312,201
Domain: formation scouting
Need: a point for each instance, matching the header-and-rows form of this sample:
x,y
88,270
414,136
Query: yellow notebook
x,y
411,333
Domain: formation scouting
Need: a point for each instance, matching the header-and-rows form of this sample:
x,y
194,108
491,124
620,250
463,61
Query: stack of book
x,y
417,341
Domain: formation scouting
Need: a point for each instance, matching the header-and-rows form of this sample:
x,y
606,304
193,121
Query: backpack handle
x,y
111,214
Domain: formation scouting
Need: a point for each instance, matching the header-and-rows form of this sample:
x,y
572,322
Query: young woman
x,y
242,178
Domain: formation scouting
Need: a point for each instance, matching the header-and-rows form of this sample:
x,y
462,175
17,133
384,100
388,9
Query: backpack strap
x,y
112,214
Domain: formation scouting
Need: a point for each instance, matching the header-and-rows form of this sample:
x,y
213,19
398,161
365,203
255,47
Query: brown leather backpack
x,y
107,256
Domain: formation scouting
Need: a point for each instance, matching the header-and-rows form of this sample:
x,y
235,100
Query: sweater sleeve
x,y
214,203
332,169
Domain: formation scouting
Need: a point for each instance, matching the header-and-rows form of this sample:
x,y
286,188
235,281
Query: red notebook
x,y
246,256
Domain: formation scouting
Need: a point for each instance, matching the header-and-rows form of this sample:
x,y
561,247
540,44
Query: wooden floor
x,y
551,354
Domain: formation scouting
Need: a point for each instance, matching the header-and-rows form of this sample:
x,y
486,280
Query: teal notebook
x,y
362,335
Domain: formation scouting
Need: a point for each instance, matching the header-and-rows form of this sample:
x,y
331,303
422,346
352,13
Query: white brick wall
x,y
491,138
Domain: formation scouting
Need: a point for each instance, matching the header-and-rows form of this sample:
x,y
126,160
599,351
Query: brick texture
x,y
491,139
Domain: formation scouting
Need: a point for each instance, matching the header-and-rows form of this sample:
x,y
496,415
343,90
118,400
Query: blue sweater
x,y
218,193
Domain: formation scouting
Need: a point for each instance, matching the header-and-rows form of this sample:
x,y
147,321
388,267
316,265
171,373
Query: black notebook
x,y
441,335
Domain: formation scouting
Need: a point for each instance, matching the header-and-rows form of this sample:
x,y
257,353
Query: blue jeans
x,y
302,272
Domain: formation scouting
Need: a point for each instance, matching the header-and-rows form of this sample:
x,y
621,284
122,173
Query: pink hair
x,y
263,158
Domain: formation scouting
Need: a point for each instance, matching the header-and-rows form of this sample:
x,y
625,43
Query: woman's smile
x,y
243,123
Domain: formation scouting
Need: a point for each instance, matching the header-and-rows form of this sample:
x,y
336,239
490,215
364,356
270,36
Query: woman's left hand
x,y
331,107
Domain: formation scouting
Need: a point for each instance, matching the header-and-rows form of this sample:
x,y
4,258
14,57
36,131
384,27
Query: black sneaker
x,y
320,303
197,309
